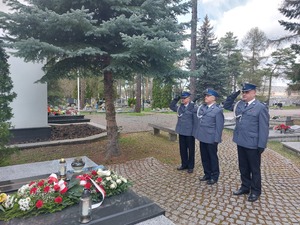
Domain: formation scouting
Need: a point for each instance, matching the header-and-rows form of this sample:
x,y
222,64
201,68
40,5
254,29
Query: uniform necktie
x,y
246,105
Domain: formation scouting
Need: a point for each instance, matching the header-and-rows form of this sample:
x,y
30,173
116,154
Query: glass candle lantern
x,y
85,206
62,168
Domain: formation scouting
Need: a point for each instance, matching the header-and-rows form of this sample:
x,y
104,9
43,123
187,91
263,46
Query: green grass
x,y
278,147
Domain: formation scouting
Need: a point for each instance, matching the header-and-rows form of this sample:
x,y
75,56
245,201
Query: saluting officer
x,y
251,135
210,124
184,128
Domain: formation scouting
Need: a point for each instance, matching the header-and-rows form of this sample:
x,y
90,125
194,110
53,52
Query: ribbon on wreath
x,y
94,206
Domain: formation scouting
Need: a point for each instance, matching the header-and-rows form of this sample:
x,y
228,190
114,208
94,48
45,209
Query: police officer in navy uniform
x,y
184,128
251,135
210,124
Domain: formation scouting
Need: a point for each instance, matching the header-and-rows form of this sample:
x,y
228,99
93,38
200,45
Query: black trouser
x,y
187,151
249,165
210,160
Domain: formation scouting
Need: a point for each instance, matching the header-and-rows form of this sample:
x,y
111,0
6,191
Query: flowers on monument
x,y
45,195
282,127
52,195
110,182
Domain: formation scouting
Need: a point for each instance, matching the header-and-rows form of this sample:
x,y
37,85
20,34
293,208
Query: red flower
x,y
63,191
94,172
88,185
99,180
46,189
87,176
39,204
81,177
56,187
31,183
58,200
33,190
41,183
50,181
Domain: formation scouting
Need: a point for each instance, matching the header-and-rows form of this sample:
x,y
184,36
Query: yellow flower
x,y
3,197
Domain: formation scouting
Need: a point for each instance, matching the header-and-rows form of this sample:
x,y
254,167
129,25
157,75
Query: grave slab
x,y
126,208
36,169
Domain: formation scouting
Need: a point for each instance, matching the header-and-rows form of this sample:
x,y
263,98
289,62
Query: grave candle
x,y
85,206
62,168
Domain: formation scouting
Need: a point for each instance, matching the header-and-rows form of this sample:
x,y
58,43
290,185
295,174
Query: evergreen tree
x,y
209,60
6,97
254,44
290,9
162,92
233,60
112,38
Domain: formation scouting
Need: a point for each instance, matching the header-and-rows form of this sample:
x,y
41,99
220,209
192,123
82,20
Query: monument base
x,y
25,134
126,208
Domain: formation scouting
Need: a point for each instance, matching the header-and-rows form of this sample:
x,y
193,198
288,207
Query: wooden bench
x,y
158,128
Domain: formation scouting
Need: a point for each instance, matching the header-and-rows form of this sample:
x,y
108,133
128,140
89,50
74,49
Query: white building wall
x,y
30,105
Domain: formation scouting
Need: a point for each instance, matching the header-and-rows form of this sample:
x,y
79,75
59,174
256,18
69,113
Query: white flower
x,y
101,172
9,203
23,189
24,203
124,179
108,178
113,185
82,182
119,181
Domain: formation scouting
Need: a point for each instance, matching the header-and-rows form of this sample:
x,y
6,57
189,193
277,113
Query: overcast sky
x,y
239,16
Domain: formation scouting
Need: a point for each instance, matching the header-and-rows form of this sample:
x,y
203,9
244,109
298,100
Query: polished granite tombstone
x,y
38,168
126,208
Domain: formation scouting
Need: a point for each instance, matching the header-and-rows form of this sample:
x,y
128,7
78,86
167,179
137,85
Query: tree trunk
x,y
111,123
138,93
193,47
82,92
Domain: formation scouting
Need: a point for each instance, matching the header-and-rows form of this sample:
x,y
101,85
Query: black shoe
x,y
211,181
204,178
253,197
190,170
241,192
181,168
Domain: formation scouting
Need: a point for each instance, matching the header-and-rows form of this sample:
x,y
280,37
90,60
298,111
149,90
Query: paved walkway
x,y
189,201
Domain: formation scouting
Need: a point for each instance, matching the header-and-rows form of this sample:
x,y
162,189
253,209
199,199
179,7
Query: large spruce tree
x,y
209,61
290,9
233,60
111,38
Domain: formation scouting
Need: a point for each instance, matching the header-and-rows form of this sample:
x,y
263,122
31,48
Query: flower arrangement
x,y
51,195
282,127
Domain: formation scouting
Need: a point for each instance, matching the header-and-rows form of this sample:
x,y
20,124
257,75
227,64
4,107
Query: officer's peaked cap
x,y
248,87
211,92
185,94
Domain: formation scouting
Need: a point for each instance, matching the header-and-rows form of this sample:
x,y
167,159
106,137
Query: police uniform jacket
x,y
252,125
210,124
184,124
